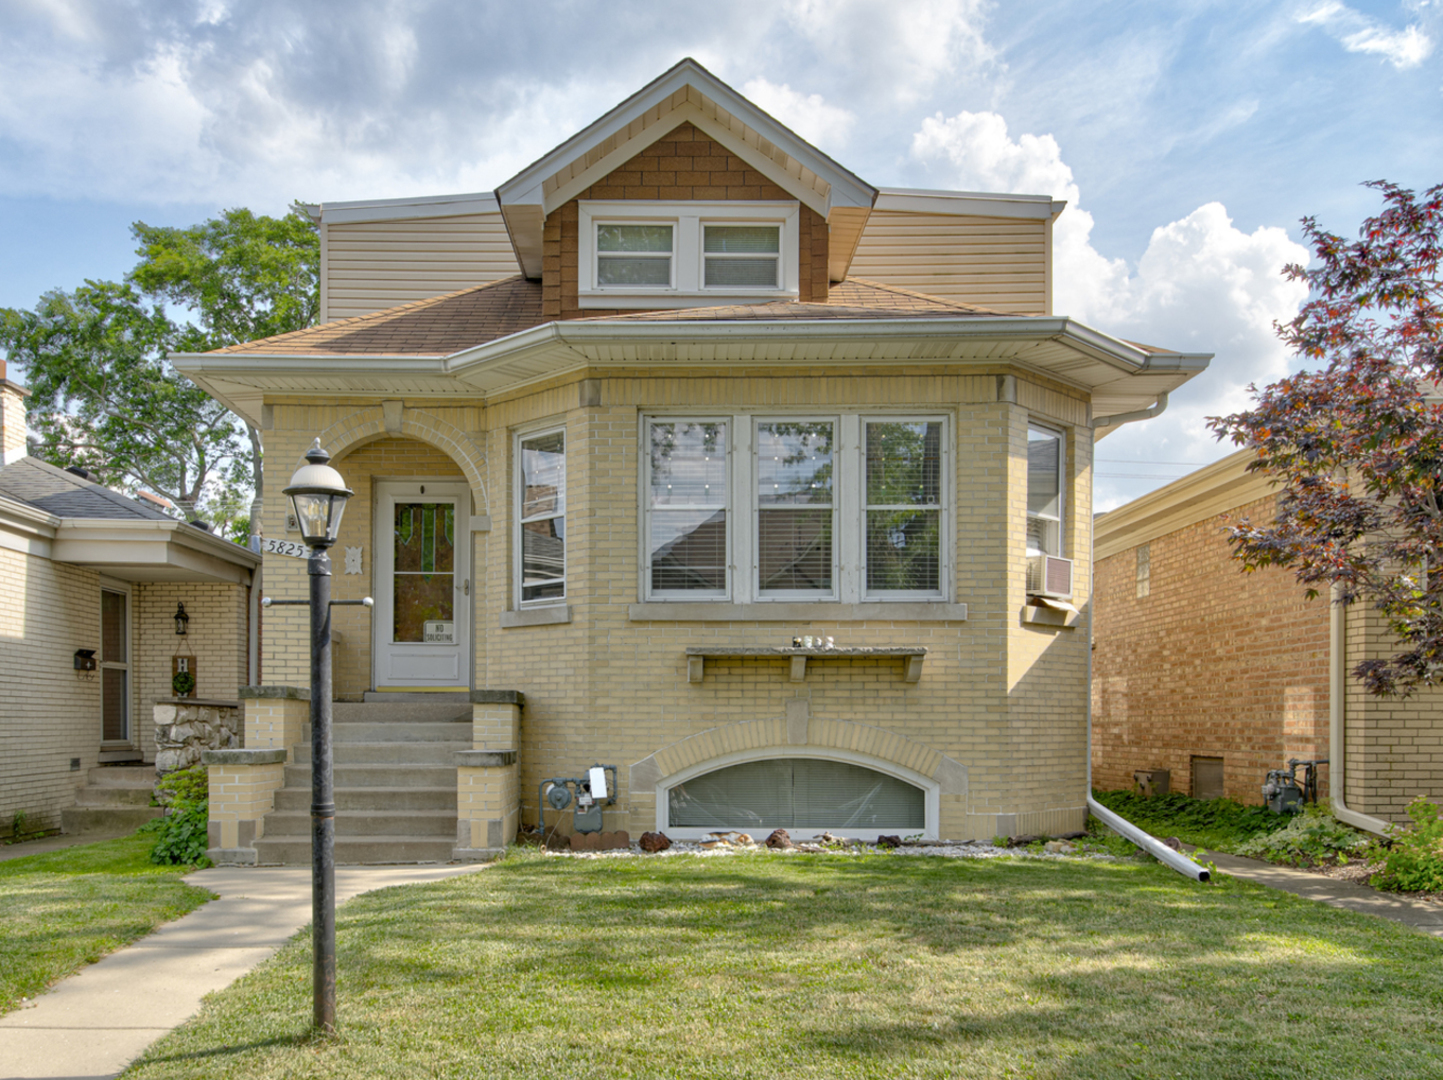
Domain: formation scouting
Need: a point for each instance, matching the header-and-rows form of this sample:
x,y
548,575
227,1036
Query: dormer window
x,y
634,255
741,256
644,254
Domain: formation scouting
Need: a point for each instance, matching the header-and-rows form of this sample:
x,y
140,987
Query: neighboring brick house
x,y
84,568
1218,675
681,391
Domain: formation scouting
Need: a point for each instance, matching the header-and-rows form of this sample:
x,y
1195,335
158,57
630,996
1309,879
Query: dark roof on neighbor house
x,y
66,495
453,322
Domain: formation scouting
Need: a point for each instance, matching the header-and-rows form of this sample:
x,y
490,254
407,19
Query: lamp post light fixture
x,y
318,495
182,620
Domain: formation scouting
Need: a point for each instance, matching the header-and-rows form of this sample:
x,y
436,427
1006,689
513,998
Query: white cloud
x,y
809,115
1357,33
1202,285
899,50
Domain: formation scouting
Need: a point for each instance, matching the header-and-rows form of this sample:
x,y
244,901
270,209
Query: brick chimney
x,y
12,419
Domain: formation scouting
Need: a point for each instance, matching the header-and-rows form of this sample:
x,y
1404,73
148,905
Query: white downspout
x,y
253,624
1338,721
1114,821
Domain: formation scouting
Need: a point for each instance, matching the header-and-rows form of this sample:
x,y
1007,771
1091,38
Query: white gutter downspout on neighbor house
x,y
1114,821
1338,721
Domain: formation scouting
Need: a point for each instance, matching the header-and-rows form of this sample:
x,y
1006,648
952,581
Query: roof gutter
x,y
1338,721
1136,414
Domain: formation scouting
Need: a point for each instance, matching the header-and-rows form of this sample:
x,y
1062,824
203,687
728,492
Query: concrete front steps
x,y
115,799
395,785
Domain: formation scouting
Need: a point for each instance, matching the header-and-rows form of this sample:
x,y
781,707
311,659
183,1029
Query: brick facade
x,y
684,164
1211,663
997,724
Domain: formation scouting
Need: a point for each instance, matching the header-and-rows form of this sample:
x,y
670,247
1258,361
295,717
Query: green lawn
x,y
764,965
1212,824
61,911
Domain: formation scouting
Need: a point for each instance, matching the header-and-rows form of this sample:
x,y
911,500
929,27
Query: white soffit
x,y
688,92
1119,377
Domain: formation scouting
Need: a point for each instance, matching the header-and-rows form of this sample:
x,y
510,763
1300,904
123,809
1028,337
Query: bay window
x,y
766,508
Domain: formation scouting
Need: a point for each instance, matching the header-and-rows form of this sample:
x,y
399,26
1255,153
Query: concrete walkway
x,y
99,1020
1418,914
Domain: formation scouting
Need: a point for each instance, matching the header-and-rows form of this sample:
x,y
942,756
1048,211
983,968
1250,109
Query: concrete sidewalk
x,y
1418,914
99,1020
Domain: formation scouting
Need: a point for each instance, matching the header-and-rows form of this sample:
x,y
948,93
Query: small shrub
x,y
183,835
1313,837
1413,859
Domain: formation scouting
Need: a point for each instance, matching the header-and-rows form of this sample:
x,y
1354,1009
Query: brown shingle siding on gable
x,y
684,164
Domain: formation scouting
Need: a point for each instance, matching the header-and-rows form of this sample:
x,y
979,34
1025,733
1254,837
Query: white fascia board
x,y
149,543
26,529
848,189
427,206
969,203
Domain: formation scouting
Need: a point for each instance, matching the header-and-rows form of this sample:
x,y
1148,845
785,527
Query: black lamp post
x,y
318,495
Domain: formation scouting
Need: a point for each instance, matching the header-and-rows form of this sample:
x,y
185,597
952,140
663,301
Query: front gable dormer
x,y
684,195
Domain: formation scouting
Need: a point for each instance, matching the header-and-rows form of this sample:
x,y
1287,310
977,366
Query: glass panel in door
x,y
423,582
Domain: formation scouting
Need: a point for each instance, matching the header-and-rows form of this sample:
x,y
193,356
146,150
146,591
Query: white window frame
x,y
519,483
687,219
1061,435
646,509
848,505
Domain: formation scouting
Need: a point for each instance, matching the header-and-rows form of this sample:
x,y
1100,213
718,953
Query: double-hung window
x,y
631,255
1044,491
686,508
904,506
798,508
795,556
541,517
741,256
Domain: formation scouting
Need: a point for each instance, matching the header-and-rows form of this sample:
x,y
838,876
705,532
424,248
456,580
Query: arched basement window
x,y
797,793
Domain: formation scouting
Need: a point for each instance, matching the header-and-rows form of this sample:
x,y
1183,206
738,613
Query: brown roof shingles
x,y
439,326
444,325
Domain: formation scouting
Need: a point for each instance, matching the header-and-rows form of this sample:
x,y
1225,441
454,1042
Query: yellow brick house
x,y
680,393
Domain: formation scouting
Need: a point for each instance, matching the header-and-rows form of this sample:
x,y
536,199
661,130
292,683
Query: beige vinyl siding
x,y
997,263
374,265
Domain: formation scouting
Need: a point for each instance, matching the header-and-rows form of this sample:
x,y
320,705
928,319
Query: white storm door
x,y
423,585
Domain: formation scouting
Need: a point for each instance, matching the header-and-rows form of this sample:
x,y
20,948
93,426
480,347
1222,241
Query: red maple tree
x,y
1355,441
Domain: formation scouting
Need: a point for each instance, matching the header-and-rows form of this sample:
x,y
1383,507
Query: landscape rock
x,y
1174,843
780,839
654,842
1058,847
889,841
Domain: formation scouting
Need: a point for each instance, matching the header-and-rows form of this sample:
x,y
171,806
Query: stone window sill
x,y
537,616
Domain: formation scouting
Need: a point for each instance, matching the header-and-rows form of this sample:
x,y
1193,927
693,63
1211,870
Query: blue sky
x,y
1189,138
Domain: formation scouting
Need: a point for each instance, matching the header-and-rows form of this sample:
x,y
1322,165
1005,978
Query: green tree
x,y
104,398
104,394
1355,440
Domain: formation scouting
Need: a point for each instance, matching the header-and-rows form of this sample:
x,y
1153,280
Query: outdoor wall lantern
x,y
181,619
318,496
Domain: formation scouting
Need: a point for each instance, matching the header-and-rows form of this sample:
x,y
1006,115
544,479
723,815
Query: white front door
x,y
423,585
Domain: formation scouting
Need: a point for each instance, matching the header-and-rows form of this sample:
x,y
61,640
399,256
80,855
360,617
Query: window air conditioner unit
x,y
1047,575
